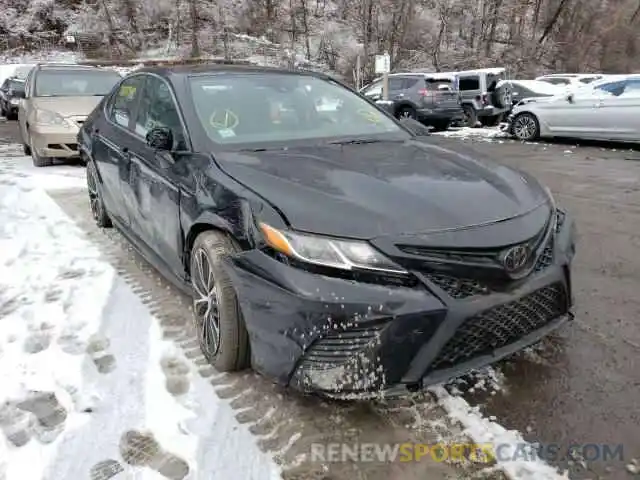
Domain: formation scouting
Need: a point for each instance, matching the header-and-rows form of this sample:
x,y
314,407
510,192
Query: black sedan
x,y
325,244
10,91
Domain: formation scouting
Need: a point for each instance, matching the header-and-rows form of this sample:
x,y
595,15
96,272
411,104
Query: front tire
x,y
221,330
98,209
39,161
525,127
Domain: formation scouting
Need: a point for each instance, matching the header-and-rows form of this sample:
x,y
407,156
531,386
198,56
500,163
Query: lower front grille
x,y
342,346
502,325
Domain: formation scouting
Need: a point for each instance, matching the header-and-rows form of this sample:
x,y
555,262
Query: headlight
x,y
46,117
328,252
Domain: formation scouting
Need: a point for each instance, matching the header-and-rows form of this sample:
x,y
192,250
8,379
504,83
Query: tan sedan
x,y
57,100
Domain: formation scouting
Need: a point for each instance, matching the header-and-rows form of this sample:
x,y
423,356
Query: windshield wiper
x,y
357,141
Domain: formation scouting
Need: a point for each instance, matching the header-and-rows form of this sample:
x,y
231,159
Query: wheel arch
x,y
402,104
206,222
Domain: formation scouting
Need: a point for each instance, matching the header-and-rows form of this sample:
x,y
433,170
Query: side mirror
x,y
417,128
570,97
160,138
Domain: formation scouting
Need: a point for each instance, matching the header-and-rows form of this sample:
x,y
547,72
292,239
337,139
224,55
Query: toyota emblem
x,y
515,258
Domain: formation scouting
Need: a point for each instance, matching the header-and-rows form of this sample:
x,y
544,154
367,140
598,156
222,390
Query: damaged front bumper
x,y
349,339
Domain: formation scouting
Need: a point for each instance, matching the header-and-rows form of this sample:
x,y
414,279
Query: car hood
x,y
369,190
68,106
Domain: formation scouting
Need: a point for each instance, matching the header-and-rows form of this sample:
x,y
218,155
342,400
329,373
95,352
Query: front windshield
x,y
75,82
280,107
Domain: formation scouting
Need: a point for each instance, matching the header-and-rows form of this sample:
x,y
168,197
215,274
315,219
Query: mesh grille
x,y
502,325
339,347
458,287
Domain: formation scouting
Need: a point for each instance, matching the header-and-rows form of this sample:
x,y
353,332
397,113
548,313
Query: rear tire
x,y
491,121
216,310
470,116
406,112
98,210
441,126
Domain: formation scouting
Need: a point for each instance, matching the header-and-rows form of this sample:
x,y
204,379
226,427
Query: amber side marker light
x,y
276,240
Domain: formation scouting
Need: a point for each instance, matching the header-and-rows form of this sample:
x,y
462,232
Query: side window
x,y
410,82
469,83
395,83
613,88
123,101
632,89
158,109
373,89
559,81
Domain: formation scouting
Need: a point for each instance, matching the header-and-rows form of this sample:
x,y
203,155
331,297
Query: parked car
x,y
57,99
332,250
16,70
481,97
525,90
431,99
570,80
11,90
608,110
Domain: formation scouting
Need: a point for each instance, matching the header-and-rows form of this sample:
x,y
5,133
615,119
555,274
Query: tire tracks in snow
x,y
285,422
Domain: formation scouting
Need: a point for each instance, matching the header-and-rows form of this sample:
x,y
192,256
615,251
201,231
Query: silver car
x,y
608,109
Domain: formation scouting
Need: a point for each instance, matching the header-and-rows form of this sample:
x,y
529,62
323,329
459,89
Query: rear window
x,y
75,82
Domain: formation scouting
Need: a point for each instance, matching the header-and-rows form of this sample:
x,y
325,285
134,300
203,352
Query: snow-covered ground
x,y
89,388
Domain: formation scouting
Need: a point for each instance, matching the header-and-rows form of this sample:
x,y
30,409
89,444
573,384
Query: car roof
x,y
213,68
490,71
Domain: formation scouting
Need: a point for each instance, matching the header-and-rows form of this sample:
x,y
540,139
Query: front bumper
x,y
351,339
54,141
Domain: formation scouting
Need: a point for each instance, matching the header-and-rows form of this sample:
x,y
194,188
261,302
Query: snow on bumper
x,y
343,338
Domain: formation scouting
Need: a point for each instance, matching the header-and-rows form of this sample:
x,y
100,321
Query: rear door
x,y
618,113
112,142
152,188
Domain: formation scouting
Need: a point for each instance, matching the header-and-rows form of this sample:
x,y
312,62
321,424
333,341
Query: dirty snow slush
x,y
285,423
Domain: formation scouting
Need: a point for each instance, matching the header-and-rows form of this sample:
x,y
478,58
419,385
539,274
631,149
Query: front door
x,y
154,208
112,142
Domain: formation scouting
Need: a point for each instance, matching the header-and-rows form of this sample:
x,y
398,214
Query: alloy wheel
x,y
524,127
94,198
205,303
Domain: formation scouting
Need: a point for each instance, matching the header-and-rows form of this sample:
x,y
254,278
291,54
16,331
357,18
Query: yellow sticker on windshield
x,y
224,120
127,91
370,116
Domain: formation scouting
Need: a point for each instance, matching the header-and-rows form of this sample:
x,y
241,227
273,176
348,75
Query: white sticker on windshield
x,y
226,133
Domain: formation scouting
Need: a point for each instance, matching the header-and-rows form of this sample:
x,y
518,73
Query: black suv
x,y
430,98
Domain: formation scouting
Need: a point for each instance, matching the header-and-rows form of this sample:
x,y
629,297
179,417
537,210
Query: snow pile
x,y
89,387
509,443
487,134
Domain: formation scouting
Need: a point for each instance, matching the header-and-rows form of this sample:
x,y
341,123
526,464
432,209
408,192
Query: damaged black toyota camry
x,y
324,243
